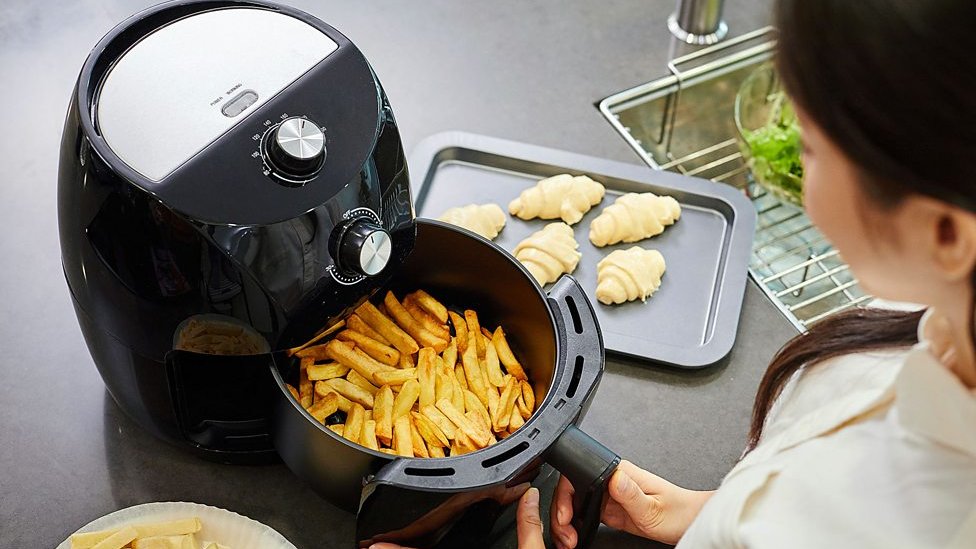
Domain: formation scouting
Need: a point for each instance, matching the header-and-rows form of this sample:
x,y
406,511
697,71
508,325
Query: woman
x,y
864,429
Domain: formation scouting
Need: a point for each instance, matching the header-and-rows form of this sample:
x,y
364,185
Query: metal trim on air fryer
x,y
151,90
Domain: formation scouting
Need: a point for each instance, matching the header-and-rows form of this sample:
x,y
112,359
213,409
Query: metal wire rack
x,y
683,122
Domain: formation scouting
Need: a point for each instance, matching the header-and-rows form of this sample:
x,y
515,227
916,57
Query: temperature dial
x,y
363,248
296,148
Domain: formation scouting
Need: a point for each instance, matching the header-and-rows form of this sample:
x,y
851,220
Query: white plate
x,y
219,525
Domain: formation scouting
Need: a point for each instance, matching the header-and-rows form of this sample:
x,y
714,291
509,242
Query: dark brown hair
x,y
891,83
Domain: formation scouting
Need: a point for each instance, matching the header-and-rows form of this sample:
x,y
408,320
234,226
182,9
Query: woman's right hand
x,y
640,503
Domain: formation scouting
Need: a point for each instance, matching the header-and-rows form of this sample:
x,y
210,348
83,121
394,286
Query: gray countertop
x,y
526,71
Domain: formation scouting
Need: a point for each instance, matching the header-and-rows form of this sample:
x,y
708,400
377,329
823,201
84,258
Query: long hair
x,y
891,83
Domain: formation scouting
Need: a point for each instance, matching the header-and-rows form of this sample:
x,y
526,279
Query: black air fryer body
x,y
230,159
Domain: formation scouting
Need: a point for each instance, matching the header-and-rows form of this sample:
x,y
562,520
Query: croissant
x,y
484,219
634,217
626,275
549,253
560,196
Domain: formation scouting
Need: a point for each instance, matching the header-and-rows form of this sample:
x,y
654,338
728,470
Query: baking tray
x,y
692,320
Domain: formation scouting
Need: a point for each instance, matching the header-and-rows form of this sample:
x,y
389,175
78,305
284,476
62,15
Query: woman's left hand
x,y
529,524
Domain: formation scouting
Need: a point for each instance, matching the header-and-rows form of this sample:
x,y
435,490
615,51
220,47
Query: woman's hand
x,y
528,523
640,503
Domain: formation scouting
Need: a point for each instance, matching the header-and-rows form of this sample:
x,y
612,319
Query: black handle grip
x,y
588,465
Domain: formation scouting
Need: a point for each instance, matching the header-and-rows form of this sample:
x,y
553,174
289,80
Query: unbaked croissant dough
x,y
626,275
560,196
484,219
634,217
549,253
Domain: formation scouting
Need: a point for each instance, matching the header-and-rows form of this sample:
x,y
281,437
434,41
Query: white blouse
x,y
867,450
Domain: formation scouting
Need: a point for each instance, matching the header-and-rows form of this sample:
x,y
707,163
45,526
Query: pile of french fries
x,y
409,387
173,534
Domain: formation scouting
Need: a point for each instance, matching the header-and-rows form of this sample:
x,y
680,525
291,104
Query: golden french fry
x,y
419,447
354,359
325,407
464,443
322,389
383,412
387,328
354,423
304,383
492,365
186,541
369,413
479,421
316,352
118,539
406,361
443,386
528,395
368,438
294,393
319,372
355,322
359,381
351,391
390,451
472,369
486,332
337,429
431,305
457,391
460,330
506,403
436,452
406,398
474,327
522,408
460,377
493,404
410,324
403,437
177,527
463,424
383,354
426,377
505,355
473,404
430,431
516,421
426,319
450,354
440,420
395,377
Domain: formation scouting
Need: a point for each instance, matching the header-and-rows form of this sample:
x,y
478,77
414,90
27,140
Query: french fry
x,y
516,421
403,437
473,404
383,412
492,366
493,404
406,361
426,320
472,368
322,389
405,399
387,328
325,407
319,352
410,324
486,332
522,408
368,438
431,305
432,434
528,395
457,391
465,444
460,330
355,322
87,540
353,392
443,387
395,377
505,355
360,381
337,429
380,352
436,452
506,403
463,424
440,420
369,413
186,541
478,421
354,359
319,372
419,446
304,383
118,540
390,451
474,326
354,423
450,354
459,375
294,393
425,376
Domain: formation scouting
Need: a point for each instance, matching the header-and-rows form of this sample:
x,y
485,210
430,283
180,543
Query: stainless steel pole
x,y
698,21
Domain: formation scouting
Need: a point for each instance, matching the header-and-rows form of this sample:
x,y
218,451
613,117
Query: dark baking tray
x,y
692,320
